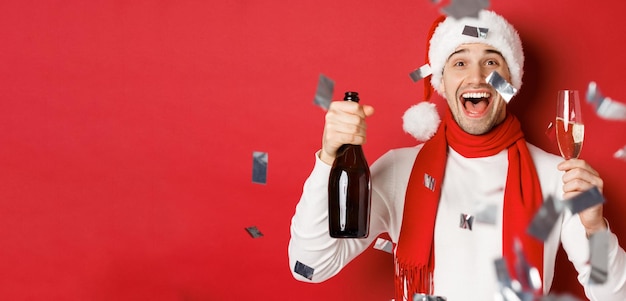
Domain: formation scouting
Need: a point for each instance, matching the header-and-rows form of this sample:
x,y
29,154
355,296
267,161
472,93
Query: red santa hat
x,y
446,34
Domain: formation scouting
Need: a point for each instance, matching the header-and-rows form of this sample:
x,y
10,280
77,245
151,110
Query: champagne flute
x,y
570,130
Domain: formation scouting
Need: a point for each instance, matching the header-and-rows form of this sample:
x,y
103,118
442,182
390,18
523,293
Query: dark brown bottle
x,y
349,190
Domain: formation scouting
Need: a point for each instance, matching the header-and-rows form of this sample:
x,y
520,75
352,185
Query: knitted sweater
x,y
464,259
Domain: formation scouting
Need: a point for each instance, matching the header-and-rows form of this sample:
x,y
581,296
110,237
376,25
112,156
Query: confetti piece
x,y
502,272
535,278
620,154
611,110
545,219
510,289
508,294
527,281
429,182
466,221
421,72
465,8
506,90
551,132
324,93
604,106
259,167
584,200
527,275
384,245
593,94
477,32
487,214
254,232
424,297
599,257
304,270
554,297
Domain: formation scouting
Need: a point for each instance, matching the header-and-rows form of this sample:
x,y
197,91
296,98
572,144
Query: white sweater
x,y
464,268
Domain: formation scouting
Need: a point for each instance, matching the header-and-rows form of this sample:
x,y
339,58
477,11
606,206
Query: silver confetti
x,y
525,296
605,107
545,219
465,8
584,200
535,278
502,272
429,182
487,214
384,245
424,297
259,167
466,221
527,275
506,90
324,93
612,110
593,94
477,32
620,154
551,132
304,270
599,257
563,297
254,232
508,294
513,289
421,72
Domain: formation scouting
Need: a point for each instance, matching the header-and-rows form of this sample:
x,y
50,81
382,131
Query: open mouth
x,y
475,103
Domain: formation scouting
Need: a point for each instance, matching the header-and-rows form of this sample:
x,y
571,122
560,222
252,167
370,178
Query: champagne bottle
x,y
349,190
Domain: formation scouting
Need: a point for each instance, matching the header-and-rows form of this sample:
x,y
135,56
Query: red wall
x,y
127,130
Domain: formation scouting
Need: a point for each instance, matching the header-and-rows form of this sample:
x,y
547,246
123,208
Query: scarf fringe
x,y
411,279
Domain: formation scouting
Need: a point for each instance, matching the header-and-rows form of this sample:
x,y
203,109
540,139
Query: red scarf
x,y
415,260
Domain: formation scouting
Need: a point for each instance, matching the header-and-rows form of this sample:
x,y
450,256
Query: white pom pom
x,y
421,120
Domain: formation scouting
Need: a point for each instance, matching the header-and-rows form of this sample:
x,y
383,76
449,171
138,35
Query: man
x,y
477,158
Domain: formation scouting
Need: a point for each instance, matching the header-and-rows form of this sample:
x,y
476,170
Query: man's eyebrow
x,y
494,51
488,51
457,52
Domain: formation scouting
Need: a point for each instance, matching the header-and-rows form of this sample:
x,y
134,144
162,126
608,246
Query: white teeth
x,y
476,95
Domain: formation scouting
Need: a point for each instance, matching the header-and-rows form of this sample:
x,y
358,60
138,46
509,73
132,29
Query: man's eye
x,y
492,62
459,64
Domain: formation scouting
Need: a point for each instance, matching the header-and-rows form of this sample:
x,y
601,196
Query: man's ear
x,y
442,87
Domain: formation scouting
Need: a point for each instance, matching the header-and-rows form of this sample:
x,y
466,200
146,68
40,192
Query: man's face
x,y
475,104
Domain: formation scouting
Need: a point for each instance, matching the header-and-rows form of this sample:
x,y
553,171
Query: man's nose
x,y
477,74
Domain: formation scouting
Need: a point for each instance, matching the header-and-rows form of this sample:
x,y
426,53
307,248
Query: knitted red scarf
x,y
522,198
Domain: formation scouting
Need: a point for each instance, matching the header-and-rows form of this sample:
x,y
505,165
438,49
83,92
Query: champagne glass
x,y
570,130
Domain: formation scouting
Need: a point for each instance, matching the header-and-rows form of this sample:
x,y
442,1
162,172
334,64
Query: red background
x,y
127,130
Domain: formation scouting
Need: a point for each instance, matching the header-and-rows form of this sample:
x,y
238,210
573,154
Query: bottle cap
x,y
351,96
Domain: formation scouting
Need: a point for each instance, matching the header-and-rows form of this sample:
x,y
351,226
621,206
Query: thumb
x,y
368,110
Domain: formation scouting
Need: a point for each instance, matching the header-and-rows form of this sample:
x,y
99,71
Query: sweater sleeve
x,y
576,245
311,244
574,239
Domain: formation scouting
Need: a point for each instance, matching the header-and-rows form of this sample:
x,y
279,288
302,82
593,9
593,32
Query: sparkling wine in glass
x,y
570,130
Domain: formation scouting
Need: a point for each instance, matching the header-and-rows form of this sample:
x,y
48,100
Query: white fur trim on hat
x,y
501,35
421,120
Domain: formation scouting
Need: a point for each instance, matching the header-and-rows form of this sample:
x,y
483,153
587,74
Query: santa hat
x,y
422,120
